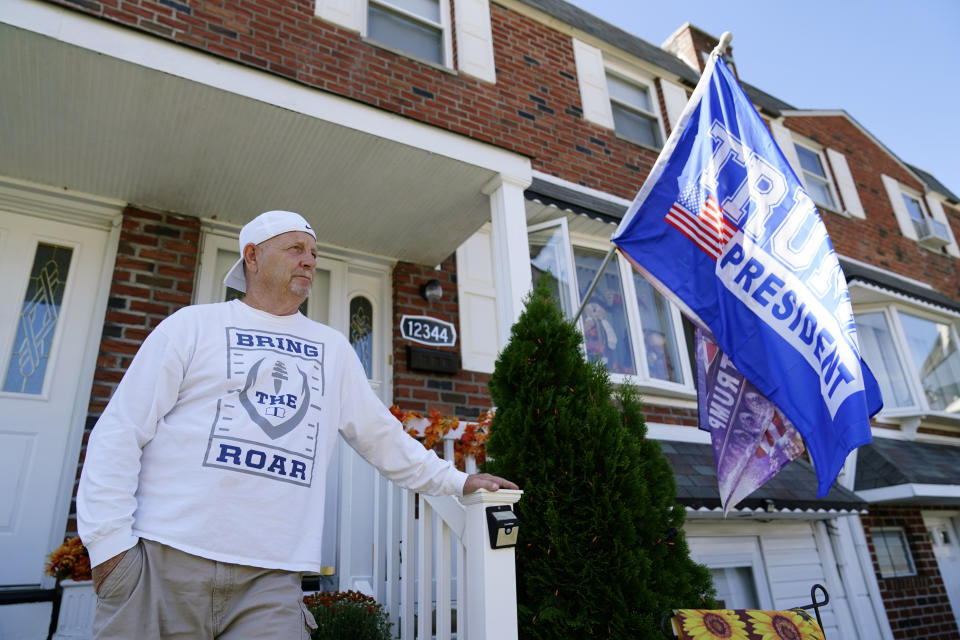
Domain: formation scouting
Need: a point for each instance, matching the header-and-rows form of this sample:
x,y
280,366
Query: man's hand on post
x,y
486,481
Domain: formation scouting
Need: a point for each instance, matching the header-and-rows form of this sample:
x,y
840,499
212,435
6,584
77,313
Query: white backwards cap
x,y
260,229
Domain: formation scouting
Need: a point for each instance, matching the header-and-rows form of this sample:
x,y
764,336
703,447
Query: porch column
x,y
511,255
491,592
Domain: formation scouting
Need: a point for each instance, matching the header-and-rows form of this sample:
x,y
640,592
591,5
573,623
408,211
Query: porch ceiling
x,y
92,123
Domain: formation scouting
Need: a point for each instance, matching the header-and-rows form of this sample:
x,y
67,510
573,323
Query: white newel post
x,y
77,604
511,253
491,573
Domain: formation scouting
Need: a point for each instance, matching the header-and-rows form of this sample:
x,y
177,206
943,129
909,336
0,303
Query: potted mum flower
x,y
70,565
347,615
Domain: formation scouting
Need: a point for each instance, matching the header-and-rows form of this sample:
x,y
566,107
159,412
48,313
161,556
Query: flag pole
x,y
593,285
718,52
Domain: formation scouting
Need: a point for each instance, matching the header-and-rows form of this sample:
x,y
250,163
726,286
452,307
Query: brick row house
x,y
470,145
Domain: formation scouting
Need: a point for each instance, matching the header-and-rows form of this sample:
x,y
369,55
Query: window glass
x,y
623,91
405,33
663,361
604,319
633,113
361,332
933,349
548,253
877,348
38,319
815,177
427,9
893,555
914,208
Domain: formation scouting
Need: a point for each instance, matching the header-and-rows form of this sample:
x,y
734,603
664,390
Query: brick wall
x,y
152,277
877,239
463,394
917,606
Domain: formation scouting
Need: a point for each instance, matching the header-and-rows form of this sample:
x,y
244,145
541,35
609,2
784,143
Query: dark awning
x,y
903,472
792,493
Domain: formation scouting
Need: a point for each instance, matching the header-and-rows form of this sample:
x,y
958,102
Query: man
x,y
201,497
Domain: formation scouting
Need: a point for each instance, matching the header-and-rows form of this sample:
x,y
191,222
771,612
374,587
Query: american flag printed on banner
x,y
724,228
708,229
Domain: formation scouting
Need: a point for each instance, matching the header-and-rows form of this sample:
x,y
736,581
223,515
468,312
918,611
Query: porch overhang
x,y
95,108
899,472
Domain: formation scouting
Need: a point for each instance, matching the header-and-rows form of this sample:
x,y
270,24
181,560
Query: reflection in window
x,y
548,255
893,554
659,340
38,320
876,346
604,318
633,112
412,26
361,332
933,349
815,177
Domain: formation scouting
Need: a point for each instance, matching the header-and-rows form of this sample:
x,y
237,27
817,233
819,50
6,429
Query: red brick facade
x,y
533,109
877,239
153,277
463,394
917,606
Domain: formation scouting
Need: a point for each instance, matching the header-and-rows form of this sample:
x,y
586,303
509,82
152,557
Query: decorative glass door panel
x,y
48,334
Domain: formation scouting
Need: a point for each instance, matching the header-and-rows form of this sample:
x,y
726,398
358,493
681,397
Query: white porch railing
x,y
434,569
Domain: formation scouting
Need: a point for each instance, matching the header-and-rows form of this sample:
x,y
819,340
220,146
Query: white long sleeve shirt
x,y
218,438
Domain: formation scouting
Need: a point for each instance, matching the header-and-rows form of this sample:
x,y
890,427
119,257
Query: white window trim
x,y
828,177
895,192
632,76
443,25
906,546
642,378
846,185
473,31
891,312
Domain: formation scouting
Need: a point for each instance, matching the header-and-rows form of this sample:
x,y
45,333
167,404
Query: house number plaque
x,y
428,331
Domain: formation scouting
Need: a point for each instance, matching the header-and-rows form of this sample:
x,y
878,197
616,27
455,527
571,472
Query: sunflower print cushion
x,y
745,624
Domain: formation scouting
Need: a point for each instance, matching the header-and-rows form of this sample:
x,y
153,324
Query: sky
x,y
892,65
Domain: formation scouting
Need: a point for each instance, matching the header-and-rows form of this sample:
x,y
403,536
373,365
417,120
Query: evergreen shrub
x,y
601,549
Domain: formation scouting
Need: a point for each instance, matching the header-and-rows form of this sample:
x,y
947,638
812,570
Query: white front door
x,y
946,547
50,273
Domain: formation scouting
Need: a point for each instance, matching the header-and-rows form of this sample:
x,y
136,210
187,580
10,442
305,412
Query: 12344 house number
x,y
429,331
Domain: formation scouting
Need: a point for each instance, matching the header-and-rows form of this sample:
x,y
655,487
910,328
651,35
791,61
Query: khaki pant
x,y
159,592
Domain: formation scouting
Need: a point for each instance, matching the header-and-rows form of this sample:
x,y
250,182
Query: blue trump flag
x,y
723,226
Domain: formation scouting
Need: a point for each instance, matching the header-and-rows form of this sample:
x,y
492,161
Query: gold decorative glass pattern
x,y
37,323
361,331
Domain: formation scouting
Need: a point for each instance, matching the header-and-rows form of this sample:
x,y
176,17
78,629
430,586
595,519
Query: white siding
x,y
784,140
845,184
478,303
675,97
899,208
475,39
936,210
593,84
350,14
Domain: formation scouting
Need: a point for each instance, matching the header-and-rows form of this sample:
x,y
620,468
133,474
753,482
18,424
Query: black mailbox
x,y
503,525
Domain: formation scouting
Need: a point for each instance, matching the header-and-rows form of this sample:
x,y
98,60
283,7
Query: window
x,y
626,324
914,357
413,26
916,212
634,114
815,177
893,554
920,217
